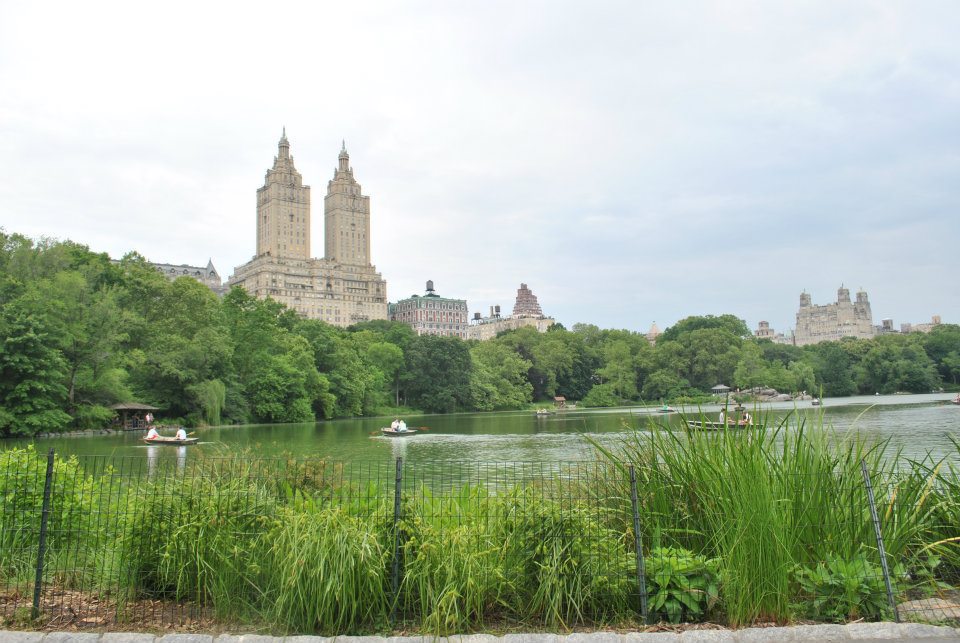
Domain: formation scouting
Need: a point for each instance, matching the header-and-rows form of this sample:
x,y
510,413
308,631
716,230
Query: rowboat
x,y
393,433
172,441
714,426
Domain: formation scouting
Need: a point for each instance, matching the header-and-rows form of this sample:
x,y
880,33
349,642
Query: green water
x,y
916,423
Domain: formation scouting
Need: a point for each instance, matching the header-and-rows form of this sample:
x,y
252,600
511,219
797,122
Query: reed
x,y
327,571
200,539
778,497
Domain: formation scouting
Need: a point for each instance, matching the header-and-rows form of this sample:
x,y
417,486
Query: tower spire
x,y
344,158
284,144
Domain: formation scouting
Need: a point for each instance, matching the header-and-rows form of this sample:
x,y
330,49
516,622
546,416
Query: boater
x,y
181,434
152,434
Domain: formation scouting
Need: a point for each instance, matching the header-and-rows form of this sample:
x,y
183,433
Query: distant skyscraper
x,y
343,288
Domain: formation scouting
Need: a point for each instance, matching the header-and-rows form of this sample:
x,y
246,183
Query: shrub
x,y
840,590
22,478
681,586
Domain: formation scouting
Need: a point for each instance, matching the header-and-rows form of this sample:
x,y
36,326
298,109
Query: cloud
x,y
630,162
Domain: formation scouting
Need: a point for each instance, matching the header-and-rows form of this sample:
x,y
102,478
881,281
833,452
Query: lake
x,y
916,423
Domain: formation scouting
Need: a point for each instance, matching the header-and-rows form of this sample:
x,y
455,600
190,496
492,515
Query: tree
x,y
388,358
662,385
730,323
499,378
619,370
833,369
437,376
32,373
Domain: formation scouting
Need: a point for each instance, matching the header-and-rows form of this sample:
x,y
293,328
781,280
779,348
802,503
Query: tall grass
x,y
201,539
327,571
779,511
521,555
775,498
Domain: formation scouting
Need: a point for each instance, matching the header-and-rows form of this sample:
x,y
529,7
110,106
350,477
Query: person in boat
x,y
723,417
152,434
402,427
181,434
746,420
395,424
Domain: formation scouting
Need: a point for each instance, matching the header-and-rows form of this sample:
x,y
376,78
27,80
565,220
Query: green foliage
x,y
499,378
211,395
764,502
80,334
22,479
840,590
437,377
327,571
730,324
453,560
681,586
564,565
200,538
32,372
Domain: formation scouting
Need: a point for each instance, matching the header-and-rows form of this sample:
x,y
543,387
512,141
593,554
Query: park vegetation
x,y
79,333
773,525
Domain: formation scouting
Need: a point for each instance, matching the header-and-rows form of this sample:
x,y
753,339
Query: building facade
x,y
764,331
208,275
432,314
526,312
833,322
343,288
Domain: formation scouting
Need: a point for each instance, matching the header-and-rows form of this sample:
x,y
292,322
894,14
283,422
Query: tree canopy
x,y
79,333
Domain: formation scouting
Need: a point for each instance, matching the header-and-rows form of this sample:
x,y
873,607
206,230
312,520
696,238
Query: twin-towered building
x,y
343,287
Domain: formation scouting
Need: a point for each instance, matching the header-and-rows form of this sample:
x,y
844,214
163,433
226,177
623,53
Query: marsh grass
x,y
328,570
780,496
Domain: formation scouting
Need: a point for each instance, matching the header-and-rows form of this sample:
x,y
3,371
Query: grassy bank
x,y
770,524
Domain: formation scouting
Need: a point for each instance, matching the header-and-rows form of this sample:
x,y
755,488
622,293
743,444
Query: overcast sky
x,y
630,161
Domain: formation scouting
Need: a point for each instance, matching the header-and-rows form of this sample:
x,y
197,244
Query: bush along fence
x,y
769,526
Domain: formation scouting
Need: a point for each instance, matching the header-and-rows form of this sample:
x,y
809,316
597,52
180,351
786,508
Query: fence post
x,y
42,545
398,484
638,546
879,535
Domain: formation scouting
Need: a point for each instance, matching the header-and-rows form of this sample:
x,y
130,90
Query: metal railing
x,y
344,547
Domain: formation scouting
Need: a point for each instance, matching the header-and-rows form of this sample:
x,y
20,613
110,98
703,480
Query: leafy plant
x,y
681,585
840,590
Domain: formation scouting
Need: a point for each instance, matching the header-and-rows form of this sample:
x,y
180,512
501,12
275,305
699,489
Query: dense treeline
x,y
80,333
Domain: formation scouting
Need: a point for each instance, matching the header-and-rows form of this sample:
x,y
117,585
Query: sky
x,y
631,162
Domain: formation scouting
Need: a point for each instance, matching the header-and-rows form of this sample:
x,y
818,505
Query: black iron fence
x,y
346,547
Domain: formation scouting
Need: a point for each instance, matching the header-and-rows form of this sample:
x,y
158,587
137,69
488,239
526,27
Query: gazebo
x,y
720,389
131,415
560,401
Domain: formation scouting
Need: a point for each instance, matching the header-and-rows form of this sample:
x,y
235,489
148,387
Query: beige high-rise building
x,y
343,288
833,322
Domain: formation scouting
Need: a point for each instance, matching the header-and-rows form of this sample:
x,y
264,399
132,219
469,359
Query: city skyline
x,y
631,164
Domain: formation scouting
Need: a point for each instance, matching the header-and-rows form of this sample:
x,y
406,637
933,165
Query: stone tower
x,y
341,289
346,217
283,209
